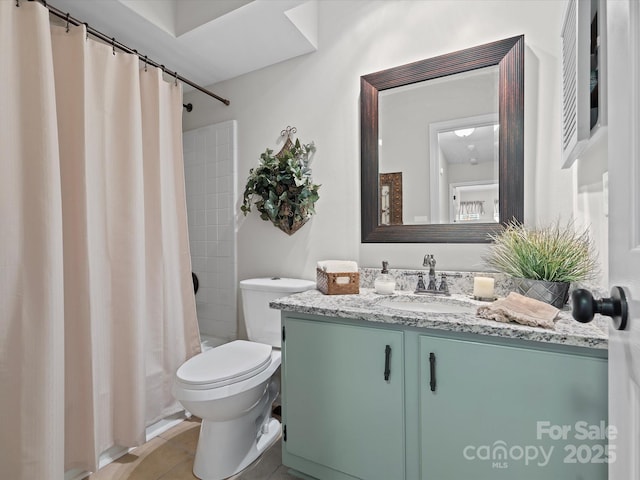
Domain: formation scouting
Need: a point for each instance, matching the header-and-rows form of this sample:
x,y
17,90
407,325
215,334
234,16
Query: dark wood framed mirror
x,y
508,56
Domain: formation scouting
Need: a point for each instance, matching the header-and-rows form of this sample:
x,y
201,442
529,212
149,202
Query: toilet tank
x,y
263,322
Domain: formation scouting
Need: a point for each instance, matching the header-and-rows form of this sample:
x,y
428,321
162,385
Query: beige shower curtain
x,y
96,302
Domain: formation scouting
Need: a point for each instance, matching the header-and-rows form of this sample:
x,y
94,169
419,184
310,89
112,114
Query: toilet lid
x,y
228,363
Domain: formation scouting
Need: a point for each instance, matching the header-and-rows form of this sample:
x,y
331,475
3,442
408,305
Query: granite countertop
x,y
364,306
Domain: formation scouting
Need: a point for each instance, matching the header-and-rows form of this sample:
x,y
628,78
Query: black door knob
x,y
585,307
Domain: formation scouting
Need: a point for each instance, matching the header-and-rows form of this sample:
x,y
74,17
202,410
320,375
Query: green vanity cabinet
x,y
490,412
455,406
341,418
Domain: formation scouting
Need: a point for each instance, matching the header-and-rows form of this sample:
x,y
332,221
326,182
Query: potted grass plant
x,y
280,187
543,261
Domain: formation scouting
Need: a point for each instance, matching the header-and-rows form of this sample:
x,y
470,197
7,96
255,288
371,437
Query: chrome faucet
x,y
430,261
443,289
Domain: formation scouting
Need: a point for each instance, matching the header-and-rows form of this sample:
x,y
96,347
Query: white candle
x,y
483,287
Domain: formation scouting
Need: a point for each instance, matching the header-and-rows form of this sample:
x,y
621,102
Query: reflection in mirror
x,y
464,170
416,125
453,125
391,198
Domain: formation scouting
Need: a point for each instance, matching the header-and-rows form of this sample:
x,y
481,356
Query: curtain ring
x,y
113,45
176,79
86,29
67,22
17,3
145,63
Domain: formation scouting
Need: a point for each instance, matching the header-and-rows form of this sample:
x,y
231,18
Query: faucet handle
x,y
444,286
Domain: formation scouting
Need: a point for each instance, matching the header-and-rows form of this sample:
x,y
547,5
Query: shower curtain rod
x,y
115,44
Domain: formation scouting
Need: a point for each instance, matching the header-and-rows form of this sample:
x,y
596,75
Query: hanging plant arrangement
x,y
280,187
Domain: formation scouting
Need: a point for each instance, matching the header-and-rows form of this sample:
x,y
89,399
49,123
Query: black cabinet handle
x,y
432,369
387,361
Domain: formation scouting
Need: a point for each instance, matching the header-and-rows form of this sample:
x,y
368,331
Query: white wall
x,y
319,94
589,200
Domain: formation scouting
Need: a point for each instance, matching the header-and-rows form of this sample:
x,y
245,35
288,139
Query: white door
x,y
623,49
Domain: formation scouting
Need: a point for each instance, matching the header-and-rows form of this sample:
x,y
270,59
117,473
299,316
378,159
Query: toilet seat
x,y
227,364
184,391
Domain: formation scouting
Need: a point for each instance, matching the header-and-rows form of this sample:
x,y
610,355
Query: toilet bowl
x,y
232,387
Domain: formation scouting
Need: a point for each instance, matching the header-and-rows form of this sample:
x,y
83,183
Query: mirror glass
x,y
442,135
442,146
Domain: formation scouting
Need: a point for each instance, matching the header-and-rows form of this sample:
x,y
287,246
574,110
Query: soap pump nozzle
x,y
385,266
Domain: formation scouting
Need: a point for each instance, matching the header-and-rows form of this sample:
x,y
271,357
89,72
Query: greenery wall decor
x,y
280,187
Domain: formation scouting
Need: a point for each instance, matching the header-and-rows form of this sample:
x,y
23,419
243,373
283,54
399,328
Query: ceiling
x,y
205,41
480,145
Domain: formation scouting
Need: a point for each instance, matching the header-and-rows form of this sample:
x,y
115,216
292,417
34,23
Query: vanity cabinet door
x,y
339,411
492,412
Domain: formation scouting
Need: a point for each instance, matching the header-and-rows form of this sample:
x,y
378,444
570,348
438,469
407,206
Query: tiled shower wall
x,y
210,176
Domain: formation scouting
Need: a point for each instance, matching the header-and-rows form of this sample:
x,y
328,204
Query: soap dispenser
x,y
384,284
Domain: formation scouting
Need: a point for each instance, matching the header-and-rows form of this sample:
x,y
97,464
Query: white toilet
x,y
232,387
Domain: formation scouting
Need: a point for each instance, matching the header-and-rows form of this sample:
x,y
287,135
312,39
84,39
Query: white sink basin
x,y
427,306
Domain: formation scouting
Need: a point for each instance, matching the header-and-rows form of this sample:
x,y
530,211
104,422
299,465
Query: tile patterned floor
x,y
170,457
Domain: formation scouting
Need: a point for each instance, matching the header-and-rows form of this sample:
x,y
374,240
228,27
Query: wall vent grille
x,y
575,80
